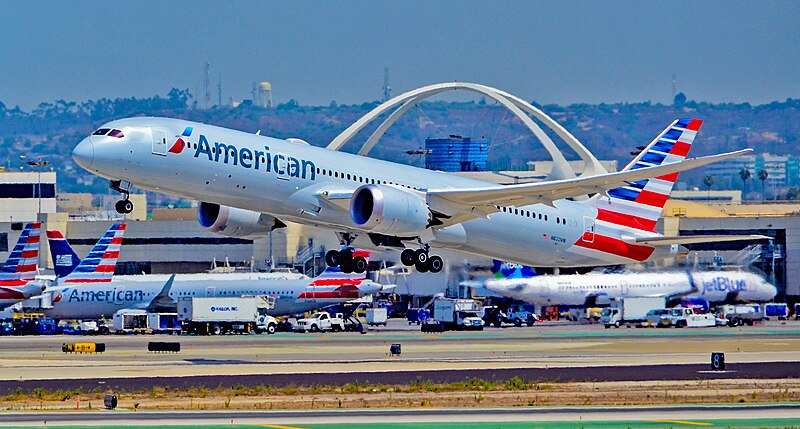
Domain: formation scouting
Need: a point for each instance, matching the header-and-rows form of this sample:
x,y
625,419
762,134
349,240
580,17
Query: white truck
x,y
629,310
215,315
738,315
458,313
322,321
686,317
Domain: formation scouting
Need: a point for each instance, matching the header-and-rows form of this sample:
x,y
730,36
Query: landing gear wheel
x,y
421,267
407,257
332,258
435,264
124,206
420,257
346,266
359,264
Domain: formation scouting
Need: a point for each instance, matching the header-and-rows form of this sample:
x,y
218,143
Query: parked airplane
x,y
591,290
18,276
249,185
291,293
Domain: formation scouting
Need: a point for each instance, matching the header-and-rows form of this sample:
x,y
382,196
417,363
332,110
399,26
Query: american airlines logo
x,y
282,165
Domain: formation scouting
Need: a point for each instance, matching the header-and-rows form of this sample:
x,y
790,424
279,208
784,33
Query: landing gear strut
x,y
422,260
344,258
125,205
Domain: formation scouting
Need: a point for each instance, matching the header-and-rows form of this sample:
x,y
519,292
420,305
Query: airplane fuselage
x,y
290,181
291,295
577,290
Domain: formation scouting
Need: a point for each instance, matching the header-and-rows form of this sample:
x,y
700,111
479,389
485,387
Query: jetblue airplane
x,y
91,291
596,289
18,276
250,184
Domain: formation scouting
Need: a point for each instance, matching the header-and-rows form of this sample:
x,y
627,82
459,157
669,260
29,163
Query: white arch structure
x,y
517,106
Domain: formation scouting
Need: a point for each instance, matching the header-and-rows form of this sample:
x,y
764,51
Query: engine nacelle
x,y
389,210
233,222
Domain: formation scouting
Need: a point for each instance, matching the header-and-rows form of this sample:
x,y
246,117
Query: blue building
x,y
456,153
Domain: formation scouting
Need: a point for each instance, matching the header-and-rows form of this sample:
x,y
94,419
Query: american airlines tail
x,y
99,265
22,262
639,204
65,260
333,283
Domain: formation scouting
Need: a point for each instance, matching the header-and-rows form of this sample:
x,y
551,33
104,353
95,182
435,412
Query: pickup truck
x,y
322,321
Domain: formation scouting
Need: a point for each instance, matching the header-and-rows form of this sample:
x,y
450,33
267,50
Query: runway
x,y
774,415
555,352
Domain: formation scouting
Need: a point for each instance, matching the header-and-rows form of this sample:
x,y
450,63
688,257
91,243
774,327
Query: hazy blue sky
x,y
315,52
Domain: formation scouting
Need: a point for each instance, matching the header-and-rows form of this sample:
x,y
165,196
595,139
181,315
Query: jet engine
x,y
233,222
389,210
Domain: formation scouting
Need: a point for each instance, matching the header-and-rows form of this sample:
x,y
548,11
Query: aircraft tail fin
x,y
506,270
23,260
64,257
100,263
639,204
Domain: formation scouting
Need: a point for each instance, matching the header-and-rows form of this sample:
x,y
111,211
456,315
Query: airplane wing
x,y
163,300
482,201
668,241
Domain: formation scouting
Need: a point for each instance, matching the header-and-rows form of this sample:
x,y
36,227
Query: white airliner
x,y
250,184
91,291
18,275
591,290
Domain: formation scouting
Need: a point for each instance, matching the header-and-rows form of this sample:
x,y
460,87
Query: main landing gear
x,y
125,205
422,260
345,260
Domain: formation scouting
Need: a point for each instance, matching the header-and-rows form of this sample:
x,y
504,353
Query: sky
x,y
318,51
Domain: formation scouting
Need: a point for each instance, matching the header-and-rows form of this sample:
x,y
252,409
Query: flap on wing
x,y
547,192
694,239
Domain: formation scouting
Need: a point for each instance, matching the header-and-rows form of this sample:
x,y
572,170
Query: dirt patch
x,y
471,393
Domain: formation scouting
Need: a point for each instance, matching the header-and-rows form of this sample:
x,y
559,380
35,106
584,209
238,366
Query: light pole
x,y
39,163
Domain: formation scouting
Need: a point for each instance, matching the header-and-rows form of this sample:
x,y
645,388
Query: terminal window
x,y
3,242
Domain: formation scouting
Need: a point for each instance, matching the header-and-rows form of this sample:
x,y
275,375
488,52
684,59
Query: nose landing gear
x,y
422,260
125,205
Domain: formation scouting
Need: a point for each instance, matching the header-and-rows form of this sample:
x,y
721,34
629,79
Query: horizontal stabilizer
x,y
694,239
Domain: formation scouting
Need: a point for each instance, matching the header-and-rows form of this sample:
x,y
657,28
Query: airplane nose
x,y
83,153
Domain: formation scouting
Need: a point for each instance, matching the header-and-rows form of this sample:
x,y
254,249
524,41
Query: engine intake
x,y
389,210
234,222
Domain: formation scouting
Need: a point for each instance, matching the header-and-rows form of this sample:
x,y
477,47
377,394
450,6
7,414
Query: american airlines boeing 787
x,y
249,185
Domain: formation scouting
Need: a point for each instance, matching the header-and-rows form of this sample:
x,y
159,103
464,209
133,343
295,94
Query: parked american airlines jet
x,y
18,275
250,184
590,290
90,291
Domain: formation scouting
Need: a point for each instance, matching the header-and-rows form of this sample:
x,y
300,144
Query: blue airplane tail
x,y
507,270
64,257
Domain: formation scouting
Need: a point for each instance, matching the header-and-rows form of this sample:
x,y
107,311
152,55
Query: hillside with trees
x,y
611,131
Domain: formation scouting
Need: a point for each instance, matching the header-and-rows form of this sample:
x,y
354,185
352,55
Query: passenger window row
x,y
533,215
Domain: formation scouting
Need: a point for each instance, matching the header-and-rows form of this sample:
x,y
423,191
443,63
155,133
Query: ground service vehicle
x,y
521,313
217,316
418,315
130,321
738,315
377,316
457,313
164,323
653,317
322,321
776,309
629,310
686,317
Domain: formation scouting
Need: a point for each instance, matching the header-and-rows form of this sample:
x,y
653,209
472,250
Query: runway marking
x,y
683,422
280,426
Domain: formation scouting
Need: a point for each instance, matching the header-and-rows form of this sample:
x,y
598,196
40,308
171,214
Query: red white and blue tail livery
x,y
22,262
98,266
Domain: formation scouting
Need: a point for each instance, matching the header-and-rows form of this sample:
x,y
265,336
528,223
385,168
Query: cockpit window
x,y
116,133
101,132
